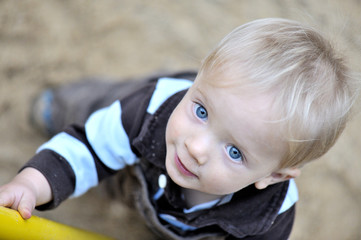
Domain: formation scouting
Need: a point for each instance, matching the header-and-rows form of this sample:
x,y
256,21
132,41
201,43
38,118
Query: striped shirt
x,y
78,158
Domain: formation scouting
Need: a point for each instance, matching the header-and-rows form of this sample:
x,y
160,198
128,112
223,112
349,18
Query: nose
x,y
198,146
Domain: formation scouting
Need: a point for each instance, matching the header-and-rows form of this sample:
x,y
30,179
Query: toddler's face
x,y
219,142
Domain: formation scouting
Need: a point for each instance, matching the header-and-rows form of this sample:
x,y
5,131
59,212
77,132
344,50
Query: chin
x,y
173,176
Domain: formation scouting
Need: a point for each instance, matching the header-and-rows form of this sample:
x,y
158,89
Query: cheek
x,y
175,125
171,131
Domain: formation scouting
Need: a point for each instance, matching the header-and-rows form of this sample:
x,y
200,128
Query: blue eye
x,y
200,111
235,153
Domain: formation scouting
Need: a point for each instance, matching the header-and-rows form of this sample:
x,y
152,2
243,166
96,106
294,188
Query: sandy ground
x,y
51,42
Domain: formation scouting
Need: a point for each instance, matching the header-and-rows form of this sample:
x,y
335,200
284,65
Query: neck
x,y
194,197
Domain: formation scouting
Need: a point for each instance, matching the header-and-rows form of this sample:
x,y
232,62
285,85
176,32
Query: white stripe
x,y
201,206
291,197
172,220
165,88
108,138
79,158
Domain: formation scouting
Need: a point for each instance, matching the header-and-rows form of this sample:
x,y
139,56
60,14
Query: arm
x,y
67,164
81,156
28,189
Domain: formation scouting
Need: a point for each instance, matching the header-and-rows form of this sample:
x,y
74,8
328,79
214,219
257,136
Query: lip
x,y
181,168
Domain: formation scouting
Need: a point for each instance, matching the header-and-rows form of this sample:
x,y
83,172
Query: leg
x,y
73,103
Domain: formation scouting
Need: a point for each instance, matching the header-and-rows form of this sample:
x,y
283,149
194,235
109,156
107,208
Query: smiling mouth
x,y
183,168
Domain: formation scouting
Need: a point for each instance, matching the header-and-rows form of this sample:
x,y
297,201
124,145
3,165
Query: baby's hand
x,y
27,190
18,195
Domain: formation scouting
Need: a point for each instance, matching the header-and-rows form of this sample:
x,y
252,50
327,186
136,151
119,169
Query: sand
x,y
46,43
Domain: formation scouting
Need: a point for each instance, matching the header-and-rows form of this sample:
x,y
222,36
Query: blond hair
x,y
313,88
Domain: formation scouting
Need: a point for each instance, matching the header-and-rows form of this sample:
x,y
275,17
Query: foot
x,y
41,112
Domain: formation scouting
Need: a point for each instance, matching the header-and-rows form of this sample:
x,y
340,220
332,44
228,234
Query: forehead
x,y
242,99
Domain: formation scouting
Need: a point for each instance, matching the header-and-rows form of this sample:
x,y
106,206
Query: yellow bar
x,y
13,226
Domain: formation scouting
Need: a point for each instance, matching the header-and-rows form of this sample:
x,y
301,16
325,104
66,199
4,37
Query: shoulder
x,y
165,88
267,211
147,94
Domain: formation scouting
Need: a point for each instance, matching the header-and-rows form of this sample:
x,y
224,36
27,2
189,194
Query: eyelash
x,y
201,113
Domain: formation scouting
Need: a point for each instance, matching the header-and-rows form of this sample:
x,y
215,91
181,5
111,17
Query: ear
x,y
278,176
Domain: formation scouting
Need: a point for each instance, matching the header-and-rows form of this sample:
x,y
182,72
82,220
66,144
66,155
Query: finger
x,y
26,207
6,199
2,202
25,212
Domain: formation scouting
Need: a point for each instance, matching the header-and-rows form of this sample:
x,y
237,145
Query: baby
x,y
214,157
